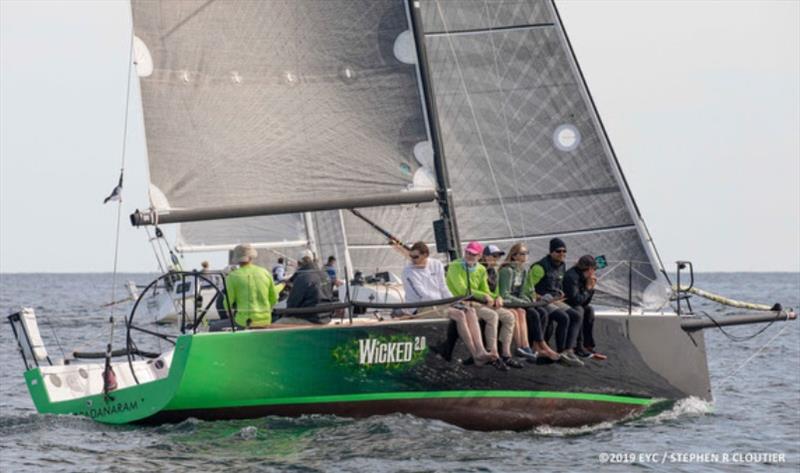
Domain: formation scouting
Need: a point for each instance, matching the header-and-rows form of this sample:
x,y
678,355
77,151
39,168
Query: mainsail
x,y
526,151
287,106
292,104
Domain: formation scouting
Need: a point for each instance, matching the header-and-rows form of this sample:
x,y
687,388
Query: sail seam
x,y
559,234
489,30
542,197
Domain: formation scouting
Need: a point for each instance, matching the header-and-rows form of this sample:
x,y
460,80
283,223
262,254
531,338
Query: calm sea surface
x,y
756,409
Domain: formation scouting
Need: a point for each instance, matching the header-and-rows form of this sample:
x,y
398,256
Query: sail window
x,y
404,49
142,58
566,137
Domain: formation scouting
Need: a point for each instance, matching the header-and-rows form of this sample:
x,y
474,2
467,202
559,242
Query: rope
x,y
737,338
722,299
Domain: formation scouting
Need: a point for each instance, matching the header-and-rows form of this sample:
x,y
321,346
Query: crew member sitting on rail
x,y
579,283
310,287
423,280
250,289
468,277
544,281
530,320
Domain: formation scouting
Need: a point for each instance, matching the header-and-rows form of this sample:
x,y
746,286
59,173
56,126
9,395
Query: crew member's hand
x,y
498,302
591,282
489,300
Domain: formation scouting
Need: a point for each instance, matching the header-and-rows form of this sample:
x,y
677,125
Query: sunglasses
x,y
522,253
560,251
417,256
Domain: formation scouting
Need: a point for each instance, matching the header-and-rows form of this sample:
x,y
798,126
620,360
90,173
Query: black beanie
x,y
557,243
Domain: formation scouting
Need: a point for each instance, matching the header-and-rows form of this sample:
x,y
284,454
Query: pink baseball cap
x,y
474,247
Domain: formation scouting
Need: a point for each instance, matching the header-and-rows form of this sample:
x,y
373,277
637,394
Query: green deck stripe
x,y
442,395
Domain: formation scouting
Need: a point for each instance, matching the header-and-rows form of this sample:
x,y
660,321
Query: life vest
x,y
553,280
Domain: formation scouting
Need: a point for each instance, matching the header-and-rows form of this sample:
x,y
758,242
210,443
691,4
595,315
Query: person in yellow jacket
x,y
467,276
251,289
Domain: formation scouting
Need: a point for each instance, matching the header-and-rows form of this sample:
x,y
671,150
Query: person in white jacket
x,y
423,280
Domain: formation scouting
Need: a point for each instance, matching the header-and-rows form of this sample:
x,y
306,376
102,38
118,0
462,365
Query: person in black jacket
x,y
310,287
579,284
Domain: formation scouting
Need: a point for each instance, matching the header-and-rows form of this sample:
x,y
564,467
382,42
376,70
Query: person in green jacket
x,y
511,277
251,289
511,283
467,276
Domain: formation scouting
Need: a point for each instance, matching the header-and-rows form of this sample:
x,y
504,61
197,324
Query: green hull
x,y
361,371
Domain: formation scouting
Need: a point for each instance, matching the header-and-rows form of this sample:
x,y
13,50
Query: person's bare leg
x,y
474,327
463,331
517,327
490,317
522,329
544,349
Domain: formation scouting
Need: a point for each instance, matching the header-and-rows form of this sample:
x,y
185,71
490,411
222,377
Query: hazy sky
x,y
701,101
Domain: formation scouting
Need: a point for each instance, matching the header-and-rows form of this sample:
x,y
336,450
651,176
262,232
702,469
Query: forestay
x,y
527,156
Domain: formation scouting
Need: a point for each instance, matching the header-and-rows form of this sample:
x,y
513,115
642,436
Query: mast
x,y
442,180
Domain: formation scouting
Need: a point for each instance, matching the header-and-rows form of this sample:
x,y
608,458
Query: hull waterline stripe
x,y
434,395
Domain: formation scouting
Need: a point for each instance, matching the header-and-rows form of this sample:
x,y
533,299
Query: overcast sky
x,y
701,101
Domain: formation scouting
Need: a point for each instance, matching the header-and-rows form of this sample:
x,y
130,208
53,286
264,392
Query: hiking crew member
x,y
579,284
250,289
467,276
491,261
528,320
423,278
545,279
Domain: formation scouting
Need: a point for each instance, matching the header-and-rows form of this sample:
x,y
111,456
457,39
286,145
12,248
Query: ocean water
x,y
754,419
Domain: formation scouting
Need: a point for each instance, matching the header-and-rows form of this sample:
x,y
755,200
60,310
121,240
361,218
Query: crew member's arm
x,y
482,291
535,275
456,279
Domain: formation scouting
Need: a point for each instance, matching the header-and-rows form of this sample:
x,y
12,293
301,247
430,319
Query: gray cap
x,y
244,253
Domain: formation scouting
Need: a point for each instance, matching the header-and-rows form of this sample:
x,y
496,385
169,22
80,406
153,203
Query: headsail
x,y
300,102
527,155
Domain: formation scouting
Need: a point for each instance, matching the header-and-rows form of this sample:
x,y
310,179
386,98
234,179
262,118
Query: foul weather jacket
x,y
575,288
478,281
252,290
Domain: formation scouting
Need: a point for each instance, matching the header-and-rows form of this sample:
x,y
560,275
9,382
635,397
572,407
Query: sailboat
x,y
267,122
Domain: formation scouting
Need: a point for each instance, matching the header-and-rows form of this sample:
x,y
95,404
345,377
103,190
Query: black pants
x,y
568,326
586,337
536,317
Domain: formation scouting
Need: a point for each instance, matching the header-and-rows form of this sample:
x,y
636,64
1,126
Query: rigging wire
x,y
55,335
754,355
107,382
